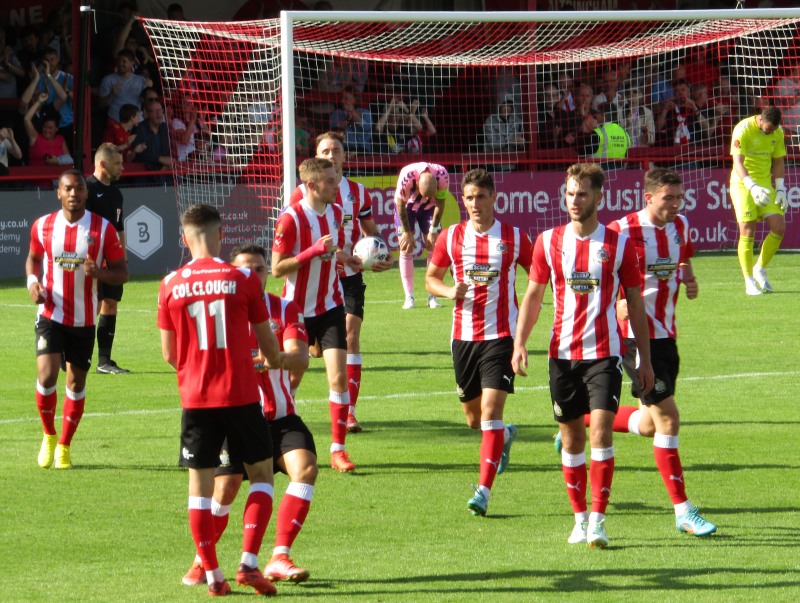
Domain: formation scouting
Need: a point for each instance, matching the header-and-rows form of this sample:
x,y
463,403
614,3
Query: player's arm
x,y
688,279
295,360
434,283
169,348
33,268
124,246
268,344
641,332
529,310
406,239
285,263
436,220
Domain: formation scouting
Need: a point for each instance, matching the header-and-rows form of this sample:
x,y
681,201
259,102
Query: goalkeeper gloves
x,y
760,195
781,199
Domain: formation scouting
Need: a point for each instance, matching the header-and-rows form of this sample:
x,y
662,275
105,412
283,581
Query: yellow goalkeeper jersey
x,y
758,149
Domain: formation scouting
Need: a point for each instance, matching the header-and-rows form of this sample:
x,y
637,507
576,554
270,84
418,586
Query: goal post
x,y
508,91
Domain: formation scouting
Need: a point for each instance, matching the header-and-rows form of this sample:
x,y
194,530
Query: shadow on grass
x,y
605,582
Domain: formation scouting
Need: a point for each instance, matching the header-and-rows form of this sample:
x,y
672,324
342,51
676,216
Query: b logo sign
x,y
145,232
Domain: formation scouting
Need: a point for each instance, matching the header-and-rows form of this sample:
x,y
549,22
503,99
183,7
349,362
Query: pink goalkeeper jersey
x,y
661,250
585,275
71,296
315,286
488,262
408,184
286,322
355,202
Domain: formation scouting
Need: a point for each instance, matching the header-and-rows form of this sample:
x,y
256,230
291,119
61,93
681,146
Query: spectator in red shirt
x,y
119,132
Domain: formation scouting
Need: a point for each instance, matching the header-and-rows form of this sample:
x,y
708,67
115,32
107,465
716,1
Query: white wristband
x,y
32,278
748,182
779,183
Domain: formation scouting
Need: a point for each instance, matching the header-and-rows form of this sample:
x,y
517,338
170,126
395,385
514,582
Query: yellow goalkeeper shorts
x,y
744,206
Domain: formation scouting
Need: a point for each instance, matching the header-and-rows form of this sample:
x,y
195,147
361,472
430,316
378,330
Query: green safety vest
x,y
614,141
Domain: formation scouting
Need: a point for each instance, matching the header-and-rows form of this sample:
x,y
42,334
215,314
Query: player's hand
x,y
760,195
519,361
458,291
622,309
260,362
276,362
354,262
406,242
90,267
315,350
646,378
37,293
692,288
781,199
430,240
383,265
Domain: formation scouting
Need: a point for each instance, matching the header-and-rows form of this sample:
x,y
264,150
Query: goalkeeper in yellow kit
x,y
758,149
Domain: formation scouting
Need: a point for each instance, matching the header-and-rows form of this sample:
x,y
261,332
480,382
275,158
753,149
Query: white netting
x,y
515,96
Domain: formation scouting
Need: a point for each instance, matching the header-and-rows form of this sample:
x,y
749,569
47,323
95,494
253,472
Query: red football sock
x,y
668,461
73,411
353,379
257,513
338,407
575,479
201,523
46,403
220,523
601,473
292,512
491,450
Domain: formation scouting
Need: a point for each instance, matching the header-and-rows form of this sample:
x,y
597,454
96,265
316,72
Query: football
x,y
371,250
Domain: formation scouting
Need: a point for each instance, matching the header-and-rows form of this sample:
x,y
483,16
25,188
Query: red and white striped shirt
x,y
408,185
71,296
488,262
353,198
661,250
315,286
585,275
286,322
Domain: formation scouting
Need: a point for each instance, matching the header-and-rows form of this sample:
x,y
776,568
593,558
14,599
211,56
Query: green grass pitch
x,y
115,529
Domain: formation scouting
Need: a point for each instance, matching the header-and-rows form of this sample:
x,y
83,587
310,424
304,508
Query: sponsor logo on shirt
x,y
482,274
583,282
663,268
69,261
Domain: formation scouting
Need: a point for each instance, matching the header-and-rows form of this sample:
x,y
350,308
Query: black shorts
x,y
483,365
75,344
288,433
353,288
106,291
204,430
329,329
579,386
666,364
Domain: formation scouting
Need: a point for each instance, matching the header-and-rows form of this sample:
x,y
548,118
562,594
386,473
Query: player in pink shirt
x,y
586,264
72,249
419,201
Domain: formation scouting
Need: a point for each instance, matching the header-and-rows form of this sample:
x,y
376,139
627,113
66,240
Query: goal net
x,y
523,94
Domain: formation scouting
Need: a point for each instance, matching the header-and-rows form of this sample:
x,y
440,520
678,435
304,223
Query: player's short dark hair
x,y
329,136
312,168
478,177
657,177
772,115
126,112
249,249
201,216
128,54
72,172
592,171
106,151
680,82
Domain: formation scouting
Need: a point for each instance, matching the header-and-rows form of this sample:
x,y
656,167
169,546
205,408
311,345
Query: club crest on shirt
x,y
350,197
659,387
502,247
678,240
89,239
274,325
582,282
602,255
663,268
736,144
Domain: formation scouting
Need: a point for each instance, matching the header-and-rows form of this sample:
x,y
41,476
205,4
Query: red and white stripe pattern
x,y
315,286
488,262
408,184
661,250
355,202
287,323
71,296
585,274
